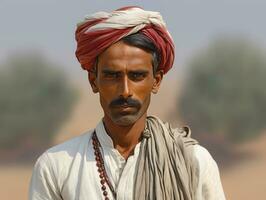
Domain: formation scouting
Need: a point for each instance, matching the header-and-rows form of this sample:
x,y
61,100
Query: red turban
x,y
100,30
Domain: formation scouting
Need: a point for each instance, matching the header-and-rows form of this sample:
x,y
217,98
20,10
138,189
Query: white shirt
x,y
68,171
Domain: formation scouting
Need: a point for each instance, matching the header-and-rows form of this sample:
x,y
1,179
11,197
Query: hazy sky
x,y
49,25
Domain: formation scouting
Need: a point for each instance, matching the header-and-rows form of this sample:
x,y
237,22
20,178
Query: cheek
x,y
106,91
105,98
143,91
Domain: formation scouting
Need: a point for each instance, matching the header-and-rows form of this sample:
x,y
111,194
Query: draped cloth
x,y
102,29
167,168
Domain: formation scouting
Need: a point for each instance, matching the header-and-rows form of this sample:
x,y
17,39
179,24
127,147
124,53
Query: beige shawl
x,y
167,169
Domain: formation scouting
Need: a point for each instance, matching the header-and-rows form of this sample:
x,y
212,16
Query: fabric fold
x,y
167,167
100,30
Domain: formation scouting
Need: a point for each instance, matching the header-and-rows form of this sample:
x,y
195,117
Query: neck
x,y
125,138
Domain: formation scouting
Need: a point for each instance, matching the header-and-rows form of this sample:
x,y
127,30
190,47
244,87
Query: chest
x,y
83,181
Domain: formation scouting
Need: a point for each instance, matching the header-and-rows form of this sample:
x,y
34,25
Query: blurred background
x,y
217,84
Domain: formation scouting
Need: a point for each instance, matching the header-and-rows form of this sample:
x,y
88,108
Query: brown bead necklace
x,y
101,169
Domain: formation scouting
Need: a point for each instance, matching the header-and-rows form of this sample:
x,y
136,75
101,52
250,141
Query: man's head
x,y
126,53
125,79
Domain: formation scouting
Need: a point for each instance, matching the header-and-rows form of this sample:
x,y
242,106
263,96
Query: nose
x,y
124,87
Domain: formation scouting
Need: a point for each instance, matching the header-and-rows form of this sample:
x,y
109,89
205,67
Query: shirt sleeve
x,y
43,182
210,186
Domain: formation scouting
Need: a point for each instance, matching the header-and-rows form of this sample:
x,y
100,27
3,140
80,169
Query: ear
x,y
92,79
158,77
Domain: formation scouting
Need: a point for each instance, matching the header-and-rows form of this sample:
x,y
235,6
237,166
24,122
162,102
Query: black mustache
x,y
122,102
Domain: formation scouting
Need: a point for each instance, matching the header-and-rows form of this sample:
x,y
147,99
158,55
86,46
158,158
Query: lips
x,y
124,106
125,109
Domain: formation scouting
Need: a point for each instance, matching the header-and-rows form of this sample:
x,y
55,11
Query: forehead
x,y
121,55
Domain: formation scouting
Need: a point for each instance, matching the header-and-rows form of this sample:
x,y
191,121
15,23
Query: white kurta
x,y
68,171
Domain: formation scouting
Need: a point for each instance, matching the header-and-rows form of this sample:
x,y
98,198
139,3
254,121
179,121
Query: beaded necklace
x,y
101,169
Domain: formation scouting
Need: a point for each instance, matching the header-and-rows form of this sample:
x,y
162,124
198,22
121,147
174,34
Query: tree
x,y
224,92
35,98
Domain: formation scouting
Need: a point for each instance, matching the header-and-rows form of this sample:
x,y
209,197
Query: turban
x,y
100,30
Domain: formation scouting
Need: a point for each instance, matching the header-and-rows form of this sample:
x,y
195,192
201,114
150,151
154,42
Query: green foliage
x,y
35,98
225,90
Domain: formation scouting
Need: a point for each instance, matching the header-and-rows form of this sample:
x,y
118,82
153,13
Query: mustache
x,y
122,102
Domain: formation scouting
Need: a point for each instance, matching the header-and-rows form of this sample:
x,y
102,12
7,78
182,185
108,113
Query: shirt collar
x,y
106,141
103,137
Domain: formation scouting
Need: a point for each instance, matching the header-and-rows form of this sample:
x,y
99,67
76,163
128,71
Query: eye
x,y
111,75
137,76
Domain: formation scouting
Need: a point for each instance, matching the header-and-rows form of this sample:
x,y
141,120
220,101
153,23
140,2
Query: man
x,y
129,155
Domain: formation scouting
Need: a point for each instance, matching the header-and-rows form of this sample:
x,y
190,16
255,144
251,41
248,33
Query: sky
x,y
48,26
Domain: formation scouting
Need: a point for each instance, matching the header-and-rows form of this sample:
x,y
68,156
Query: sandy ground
x,y
14,182
243,181
247,179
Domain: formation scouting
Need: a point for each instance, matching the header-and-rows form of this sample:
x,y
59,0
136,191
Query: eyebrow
x,y
141,71
106,71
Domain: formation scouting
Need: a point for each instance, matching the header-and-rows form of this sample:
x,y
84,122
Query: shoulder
x,y
210,186
203,155
56,160
67,149
205,160
52,167
70,146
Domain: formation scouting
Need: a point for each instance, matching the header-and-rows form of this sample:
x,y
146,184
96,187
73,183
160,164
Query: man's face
x,y
125,81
